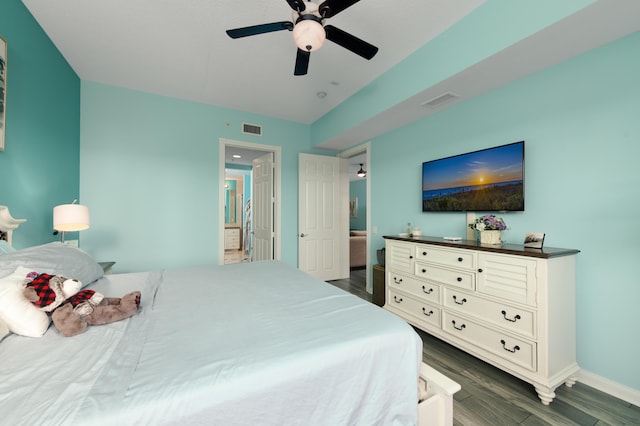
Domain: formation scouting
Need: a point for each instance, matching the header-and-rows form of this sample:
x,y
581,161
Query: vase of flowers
x,y
490,228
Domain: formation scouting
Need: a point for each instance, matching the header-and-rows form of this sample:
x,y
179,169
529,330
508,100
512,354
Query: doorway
x,y
359,211
239,203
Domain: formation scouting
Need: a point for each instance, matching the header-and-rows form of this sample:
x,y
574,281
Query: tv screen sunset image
x,y
487,180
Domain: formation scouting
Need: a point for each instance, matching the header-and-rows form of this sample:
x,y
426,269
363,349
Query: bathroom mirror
x,y
230,206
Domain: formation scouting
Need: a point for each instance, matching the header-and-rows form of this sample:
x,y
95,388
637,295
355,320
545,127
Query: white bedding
x,y
248,344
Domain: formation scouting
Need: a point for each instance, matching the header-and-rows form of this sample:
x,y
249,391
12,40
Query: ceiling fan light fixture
x,y
309,34
361,173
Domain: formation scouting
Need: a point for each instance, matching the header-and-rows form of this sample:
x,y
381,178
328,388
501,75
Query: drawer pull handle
x,y
480,270
424,253
397,299
516,318
424,311
462,302
459,279
462,327
424,271
515,348
397,280
460,259
410,256
424,290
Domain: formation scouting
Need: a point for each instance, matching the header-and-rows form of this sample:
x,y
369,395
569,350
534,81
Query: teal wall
x,y
39,166
150,169
358,189
486,31
581,124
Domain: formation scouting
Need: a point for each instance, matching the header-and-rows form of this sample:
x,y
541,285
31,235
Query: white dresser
x,y
509,306
232,238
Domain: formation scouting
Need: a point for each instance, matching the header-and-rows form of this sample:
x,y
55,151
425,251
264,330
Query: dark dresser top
x,y
515,249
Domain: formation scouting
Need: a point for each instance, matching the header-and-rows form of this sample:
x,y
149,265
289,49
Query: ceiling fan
x,y
309,30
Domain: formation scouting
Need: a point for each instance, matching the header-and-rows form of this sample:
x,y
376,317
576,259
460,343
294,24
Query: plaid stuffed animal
x,y
73,310
48,292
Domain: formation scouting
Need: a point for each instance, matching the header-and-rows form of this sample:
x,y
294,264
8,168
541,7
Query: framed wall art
x,y
3,87
353,207
534,240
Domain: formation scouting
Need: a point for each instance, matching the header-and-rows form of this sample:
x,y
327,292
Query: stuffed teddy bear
x,y
72,309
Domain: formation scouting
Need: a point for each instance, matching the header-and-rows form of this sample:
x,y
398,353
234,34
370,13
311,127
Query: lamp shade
x,y
70,217
309,35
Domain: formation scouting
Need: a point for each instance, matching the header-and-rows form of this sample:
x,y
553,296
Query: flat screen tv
x,y
487,180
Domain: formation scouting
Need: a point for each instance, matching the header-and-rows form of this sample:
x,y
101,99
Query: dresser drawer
x,y
423,311
460,279
441,256
424,291
517,351
516,320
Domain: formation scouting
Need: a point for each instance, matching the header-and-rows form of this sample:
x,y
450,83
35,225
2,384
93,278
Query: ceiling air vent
x,y
252,129
441,100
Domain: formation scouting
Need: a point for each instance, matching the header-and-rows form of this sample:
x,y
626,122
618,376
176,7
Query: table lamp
x,y
70,217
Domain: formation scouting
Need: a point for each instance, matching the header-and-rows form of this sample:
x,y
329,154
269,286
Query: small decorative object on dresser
x,y
490,237
489,227
534,240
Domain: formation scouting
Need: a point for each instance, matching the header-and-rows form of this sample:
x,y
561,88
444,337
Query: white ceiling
x,y
179,48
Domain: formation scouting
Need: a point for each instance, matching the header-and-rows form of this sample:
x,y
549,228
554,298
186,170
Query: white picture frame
x,y
353,207
534,240
3,90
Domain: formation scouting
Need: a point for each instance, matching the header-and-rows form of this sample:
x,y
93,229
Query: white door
x,y
263,208
323,216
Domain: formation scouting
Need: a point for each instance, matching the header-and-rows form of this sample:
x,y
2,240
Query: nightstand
x,y
378,285
106,267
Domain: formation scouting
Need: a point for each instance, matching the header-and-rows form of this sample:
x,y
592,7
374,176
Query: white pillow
x,y
16,311
55,259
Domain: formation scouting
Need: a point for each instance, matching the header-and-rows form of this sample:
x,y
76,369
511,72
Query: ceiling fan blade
x,y
330,8
297,5
302,62
350,42
260,29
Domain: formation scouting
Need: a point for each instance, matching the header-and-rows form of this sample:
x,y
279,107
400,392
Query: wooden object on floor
x,y
378,285
232,239
509,306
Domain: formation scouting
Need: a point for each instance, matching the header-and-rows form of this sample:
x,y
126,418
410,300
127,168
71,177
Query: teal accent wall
x,y
581,124
358,189
39,167
149,172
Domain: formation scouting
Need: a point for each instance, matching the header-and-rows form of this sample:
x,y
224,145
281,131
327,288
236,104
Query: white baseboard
x,y
622,392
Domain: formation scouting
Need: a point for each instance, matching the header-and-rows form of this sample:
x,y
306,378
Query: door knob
x,y
303,235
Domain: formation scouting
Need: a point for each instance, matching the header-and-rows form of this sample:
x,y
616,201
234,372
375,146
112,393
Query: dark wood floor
x,y
490,396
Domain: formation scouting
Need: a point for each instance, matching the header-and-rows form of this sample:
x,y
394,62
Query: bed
x,y
247,344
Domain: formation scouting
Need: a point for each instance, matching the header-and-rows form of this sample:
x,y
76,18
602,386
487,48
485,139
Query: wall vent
x,y
441,100
252,129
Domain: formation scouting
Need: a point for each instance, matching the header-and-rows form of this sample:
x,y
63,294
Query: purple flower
x,y
488,222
